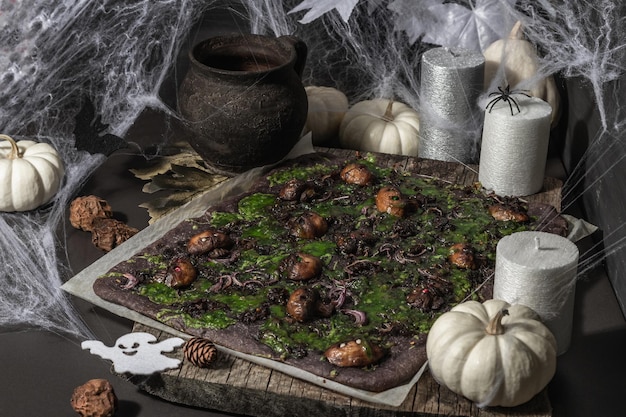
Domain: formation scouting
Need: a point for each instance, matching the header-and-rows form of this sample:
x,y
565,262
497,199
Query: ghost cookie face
x,y
137,353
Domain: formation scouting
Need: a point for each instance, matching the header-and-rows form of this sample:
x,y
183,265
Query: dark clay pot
x,y
243,100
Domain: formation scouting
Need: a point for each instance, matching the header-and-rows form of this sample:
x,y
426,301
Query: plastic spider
x,y
505,95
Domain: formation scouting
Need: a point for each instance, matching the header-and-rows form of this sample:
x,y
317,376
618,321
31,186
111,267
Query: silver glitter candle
x,y
451,82
539,270
515,147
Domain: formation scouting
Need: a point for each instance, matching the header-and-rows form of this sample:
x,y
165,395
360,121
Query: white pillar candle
x,y
515,146
539,269
451,82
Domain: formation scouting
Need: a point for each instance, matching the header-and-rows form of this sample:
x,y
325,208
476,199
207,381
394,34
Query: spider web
x,y
57,55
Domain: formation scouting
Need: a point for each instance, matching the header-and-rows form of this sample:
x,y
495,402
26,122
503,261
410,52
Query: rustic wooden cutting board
x,y
234,385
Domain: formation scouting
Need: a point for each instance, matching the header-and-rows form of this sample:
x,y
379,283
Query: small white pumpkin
x,y
520,62
30,174
494,354
327,106
381,125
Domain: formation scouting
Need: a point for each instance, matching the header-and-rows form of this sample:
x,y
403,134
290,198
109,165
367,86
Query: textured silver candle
x,y
451,83
539,269
515,146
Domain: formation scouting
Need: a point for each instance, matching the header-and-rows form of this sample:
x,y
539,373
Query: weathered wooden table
x,y
234,385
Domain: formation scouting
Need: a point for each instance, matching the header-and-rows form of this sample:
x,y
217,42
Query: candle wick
x,y
537,243
451,52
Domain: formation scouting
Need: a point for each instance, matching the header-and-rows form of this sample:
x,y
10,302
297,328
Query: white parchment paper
x,y
81,285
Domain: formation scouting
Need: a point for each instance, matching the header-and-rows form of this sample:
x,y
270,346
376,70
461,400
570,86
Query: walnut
x,y
107,234
84,210
95,398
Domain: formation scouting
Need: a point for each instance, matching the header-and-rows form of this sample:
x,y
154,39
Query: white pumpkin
x,y
494,354
520,62
381,125
327,106
30,174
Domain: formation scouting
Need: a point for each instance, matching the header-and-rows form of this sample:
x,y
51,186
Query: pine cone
x,y
200,352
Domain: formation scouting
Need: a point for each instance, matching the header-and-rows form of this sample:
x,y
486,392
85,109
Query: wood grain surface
x,y
234,385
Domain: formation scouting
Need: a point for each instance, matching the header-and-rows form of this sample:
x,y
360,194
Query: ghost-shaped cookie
x,y
137,353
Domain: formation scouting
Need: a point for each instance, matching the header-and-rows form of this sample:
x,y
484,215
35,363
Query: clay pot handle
x,y
301,52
